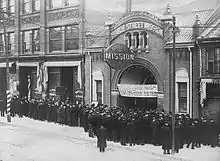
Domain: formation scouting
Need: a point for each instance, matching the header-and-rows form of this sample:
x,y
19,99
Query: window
x,y
26,41
3,4
55,3
10,42
70,2
26,6
72,37
56,39
213,60
99,91
182,96
11,7
1,44
36,40
36,5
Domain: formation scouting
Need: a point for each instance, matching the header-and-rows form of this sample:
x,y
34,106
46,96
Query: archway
x,y
139,77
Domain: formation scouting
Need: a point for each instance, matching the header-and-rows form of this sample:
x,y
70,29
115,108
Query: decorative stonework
x,y
30,20
135,14
10,23
69,14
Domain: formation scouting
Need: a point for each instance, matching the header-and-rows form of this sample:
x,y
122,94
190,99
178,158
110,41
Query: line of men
x,y
127,126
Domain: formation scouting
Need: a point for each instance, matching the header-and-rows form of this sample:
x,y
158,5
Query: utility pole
x,y
174,84
3,20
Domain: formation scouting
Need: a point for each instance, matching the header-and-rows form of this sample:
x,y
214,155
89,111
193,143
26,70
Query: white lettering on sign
x,y
143,91
138,25
118,56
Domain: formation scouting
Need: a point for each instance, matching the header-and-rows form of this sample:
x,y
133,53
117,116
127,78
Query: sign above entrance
x,y
118,56
142,91
138,25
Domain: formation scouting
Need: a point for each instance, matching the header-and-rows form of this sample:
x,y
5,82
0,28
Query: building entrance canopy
x,y
140,91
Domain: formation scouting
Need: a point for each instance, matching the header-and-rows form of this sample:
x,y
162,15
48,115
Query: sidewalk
x,y
200,154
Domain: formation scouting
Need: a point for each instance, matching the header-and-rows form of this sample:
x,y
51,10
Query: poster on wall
x,y
13,85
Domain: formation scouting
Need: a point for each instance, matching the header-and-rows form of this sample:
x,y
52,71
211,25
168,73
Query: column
x,y
43,24
140,40
79,75
146,42
190,82
63,39
132,41
126,39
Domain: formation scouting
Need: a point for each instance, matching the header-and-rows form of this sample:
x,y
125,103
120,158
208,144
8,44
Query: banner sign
x,y
138,25
142,91
118,56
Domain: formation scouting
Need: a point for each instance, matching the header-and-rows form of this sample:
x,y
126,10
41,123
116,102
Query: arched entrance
x,y
137,76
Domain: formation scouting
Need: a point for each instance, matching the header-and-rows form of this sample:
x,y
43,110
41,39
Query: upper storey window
x,y
213,60
8,6
56,39
62,3
1,44
137,41
72,37
35,5
70,2
3,4
11,7
26,6
55,3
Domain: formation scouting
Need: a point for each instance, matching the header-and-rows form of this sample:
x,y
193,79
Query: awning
x,y
141,91
203,88
3,65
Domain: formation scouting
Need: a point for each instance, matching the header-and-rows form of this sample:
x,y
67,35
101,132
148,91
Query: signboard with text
x,y
118,56
142,91
138,25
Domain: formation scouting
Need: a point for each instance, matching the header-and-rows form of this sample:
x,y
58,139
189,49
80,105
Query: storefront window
x,y
56,39
54,80
72,37
182,96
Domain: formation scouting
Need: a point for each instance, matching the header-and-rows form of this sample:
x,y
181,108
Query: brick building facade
x,y
45,42
150,38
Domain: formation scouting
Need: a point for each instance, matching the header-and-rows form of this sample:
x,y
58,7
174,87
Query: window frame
x,y
24,43
73,38
33,41
24,11
212,61
51,40
34,5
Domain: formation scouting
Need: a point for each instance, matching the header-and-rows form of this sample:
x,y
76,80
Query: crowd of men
x,y
127,126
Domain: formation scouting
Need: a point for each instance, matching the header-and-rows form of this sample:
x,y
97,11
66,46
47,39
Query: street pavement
x,y
25,139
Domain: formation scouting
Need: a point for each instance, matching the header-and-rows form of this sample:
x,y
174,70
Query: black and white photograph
x,y
118,80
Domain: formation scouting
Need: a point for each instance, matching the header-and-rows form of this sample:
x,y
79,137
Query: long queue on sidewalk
x,y
127,126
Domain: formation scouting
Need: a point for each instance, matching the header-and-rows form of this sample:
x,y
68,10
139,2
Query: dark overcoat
x,y
102,137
